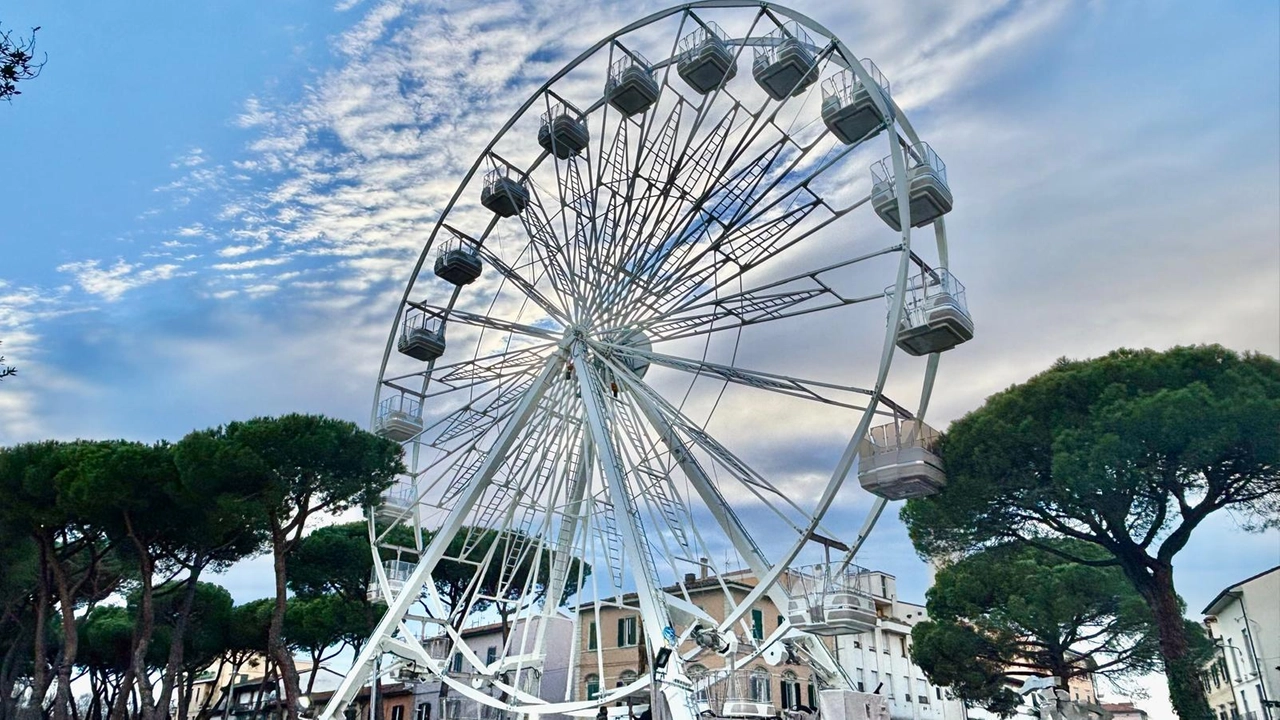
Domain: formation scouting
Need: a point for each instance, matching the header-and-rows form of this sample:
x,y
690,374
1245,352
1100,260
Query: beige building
x,y
612,653
870,659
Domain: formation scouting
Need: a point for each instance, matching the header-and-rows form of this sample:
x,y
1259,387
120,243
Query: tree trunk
x,y
1186,691
70,643
41,677
142,631
275,638
176,643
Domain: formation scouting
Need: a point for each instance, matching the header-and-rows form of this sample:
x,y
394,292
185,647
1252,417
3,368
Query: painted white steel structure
x,y
572,449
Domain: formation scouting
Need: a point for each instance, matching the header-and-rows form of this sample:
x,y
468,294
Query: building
x,y
880,660
398,702
1125,711
1244,622
210,686
612,652
551,682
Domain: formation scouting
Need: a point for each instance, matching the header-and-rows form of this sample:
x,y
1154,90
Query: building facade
x,y
613,653
880,660
1244,622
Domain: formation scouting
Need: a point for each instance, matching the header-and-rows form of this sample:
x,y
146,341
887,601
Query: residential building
x,y
611,649
1244,622
1125,711
880,660
486,642
1216,676
211,684
399,701
612,652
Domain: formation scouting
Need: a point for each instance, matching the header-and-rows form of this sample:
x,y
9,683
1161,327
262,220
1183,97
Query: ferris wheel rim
x,y
900,123
842,51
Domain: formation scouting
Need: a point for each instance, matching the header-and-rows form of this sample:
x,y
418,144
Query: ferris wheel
x,y
687,255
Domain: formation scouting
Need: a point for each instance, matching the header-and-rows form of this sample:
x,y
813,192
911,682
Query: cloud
x,y
111,283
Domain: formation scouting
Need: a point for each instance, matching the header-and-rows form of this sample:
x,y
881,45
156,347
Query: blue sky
x,y
211,207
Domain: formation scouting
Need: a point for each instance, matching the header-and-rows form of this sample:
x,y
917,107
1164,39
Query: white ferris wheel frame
x,y
417,586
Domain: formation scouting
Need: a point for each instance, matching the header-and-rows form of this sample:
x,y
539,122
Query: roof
x,y
387,690
1126,707
1215,606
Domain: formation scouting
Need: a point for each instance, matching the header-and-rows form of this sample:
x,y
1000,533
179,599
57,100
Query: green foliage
x,y
106,639
1105,450
247,633
208,626
17,63
317,623
295,465
1014,610
1129,453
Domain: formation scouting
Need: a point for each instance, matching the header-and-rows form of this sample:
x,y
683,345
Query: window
x,y
875,681
761,689
423,712
861,681
889,681
757,624
491,655
790,690
924,699
593,637
902,644
857,644
884,586
1248,647
593,686
937,693
813,696
627,636
781,620
397,712
626,677
456,664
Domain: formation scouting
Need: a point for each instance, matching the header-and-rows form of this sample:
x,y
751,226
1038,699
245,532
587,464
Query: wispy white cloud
x,y
111,283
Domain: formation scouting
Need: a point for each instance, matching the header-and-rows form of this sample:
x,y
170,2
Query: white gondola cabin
x,y
786,65
399,418
631,88
935,314
705,60
503,194
927,190
848,108
897,461
562,133
396,502
397,571
826,600
458,262
421,336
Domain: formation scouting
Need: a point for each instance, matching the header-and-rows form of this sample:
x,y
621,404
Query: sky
x,y
211,208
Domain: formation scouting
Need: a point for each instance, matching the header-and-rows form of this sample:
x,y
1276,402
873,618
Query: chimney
x,y
703,564
689,578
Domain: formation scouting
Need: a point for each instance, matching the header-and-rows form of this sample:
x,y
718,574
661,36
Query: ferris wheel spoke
x,y
695,436
548,247
486,322
524,285
800,294
631,532
814,390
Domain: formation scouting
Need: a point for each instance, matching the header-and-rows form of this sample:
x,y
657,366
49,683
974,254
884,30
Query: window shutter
x,y
622,632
